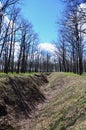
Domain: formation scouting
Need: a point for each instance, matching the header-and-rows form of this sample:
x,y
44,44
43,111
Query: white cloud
x,y
81,18
83,6
7,21
0,5
17,50
49,47
82,22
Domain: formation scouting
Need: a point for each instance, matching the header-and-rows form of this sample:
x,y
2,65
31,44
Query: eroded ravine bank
x,y
19,97
65,107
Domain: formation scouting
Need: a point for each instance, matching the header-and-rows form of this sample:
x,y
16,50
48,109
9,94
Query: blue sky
x,y
43,15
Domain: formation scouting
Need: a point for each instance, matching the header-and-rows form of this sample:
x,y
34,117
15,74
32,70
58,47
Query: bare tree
x,y
73,32
5,4
14,17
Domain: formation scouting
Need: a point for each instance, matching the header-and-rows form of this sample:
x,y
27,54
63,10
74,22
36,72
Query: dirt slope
x,y
65,107
19,97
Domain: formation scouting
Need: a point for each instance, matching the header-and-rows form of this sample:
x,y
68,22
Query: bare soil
x,y
64,107
60,104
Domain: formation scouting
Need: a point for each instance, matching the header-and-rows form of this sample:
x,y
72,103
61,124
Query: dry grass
x,y
66,107
19,97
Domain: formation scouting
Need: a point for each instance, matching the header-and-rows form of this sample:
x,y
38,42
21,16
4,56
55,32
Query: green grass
x,y
2,74
67,108
70,74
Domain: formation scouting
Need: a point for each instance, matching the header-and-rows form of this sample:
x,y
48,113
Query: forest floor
x,y
59,104
64,107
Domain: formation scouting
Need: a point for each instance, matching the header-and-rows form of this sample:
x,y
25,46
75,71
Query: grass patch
x,y
70,74
3,75
67,107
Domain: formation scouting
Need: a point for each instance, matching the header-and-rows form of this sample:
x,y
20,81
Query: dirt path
x,y
64,107
50,91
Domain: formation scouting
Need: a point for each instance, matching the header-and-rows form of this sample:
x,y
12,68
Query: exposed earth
x,y
55,102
